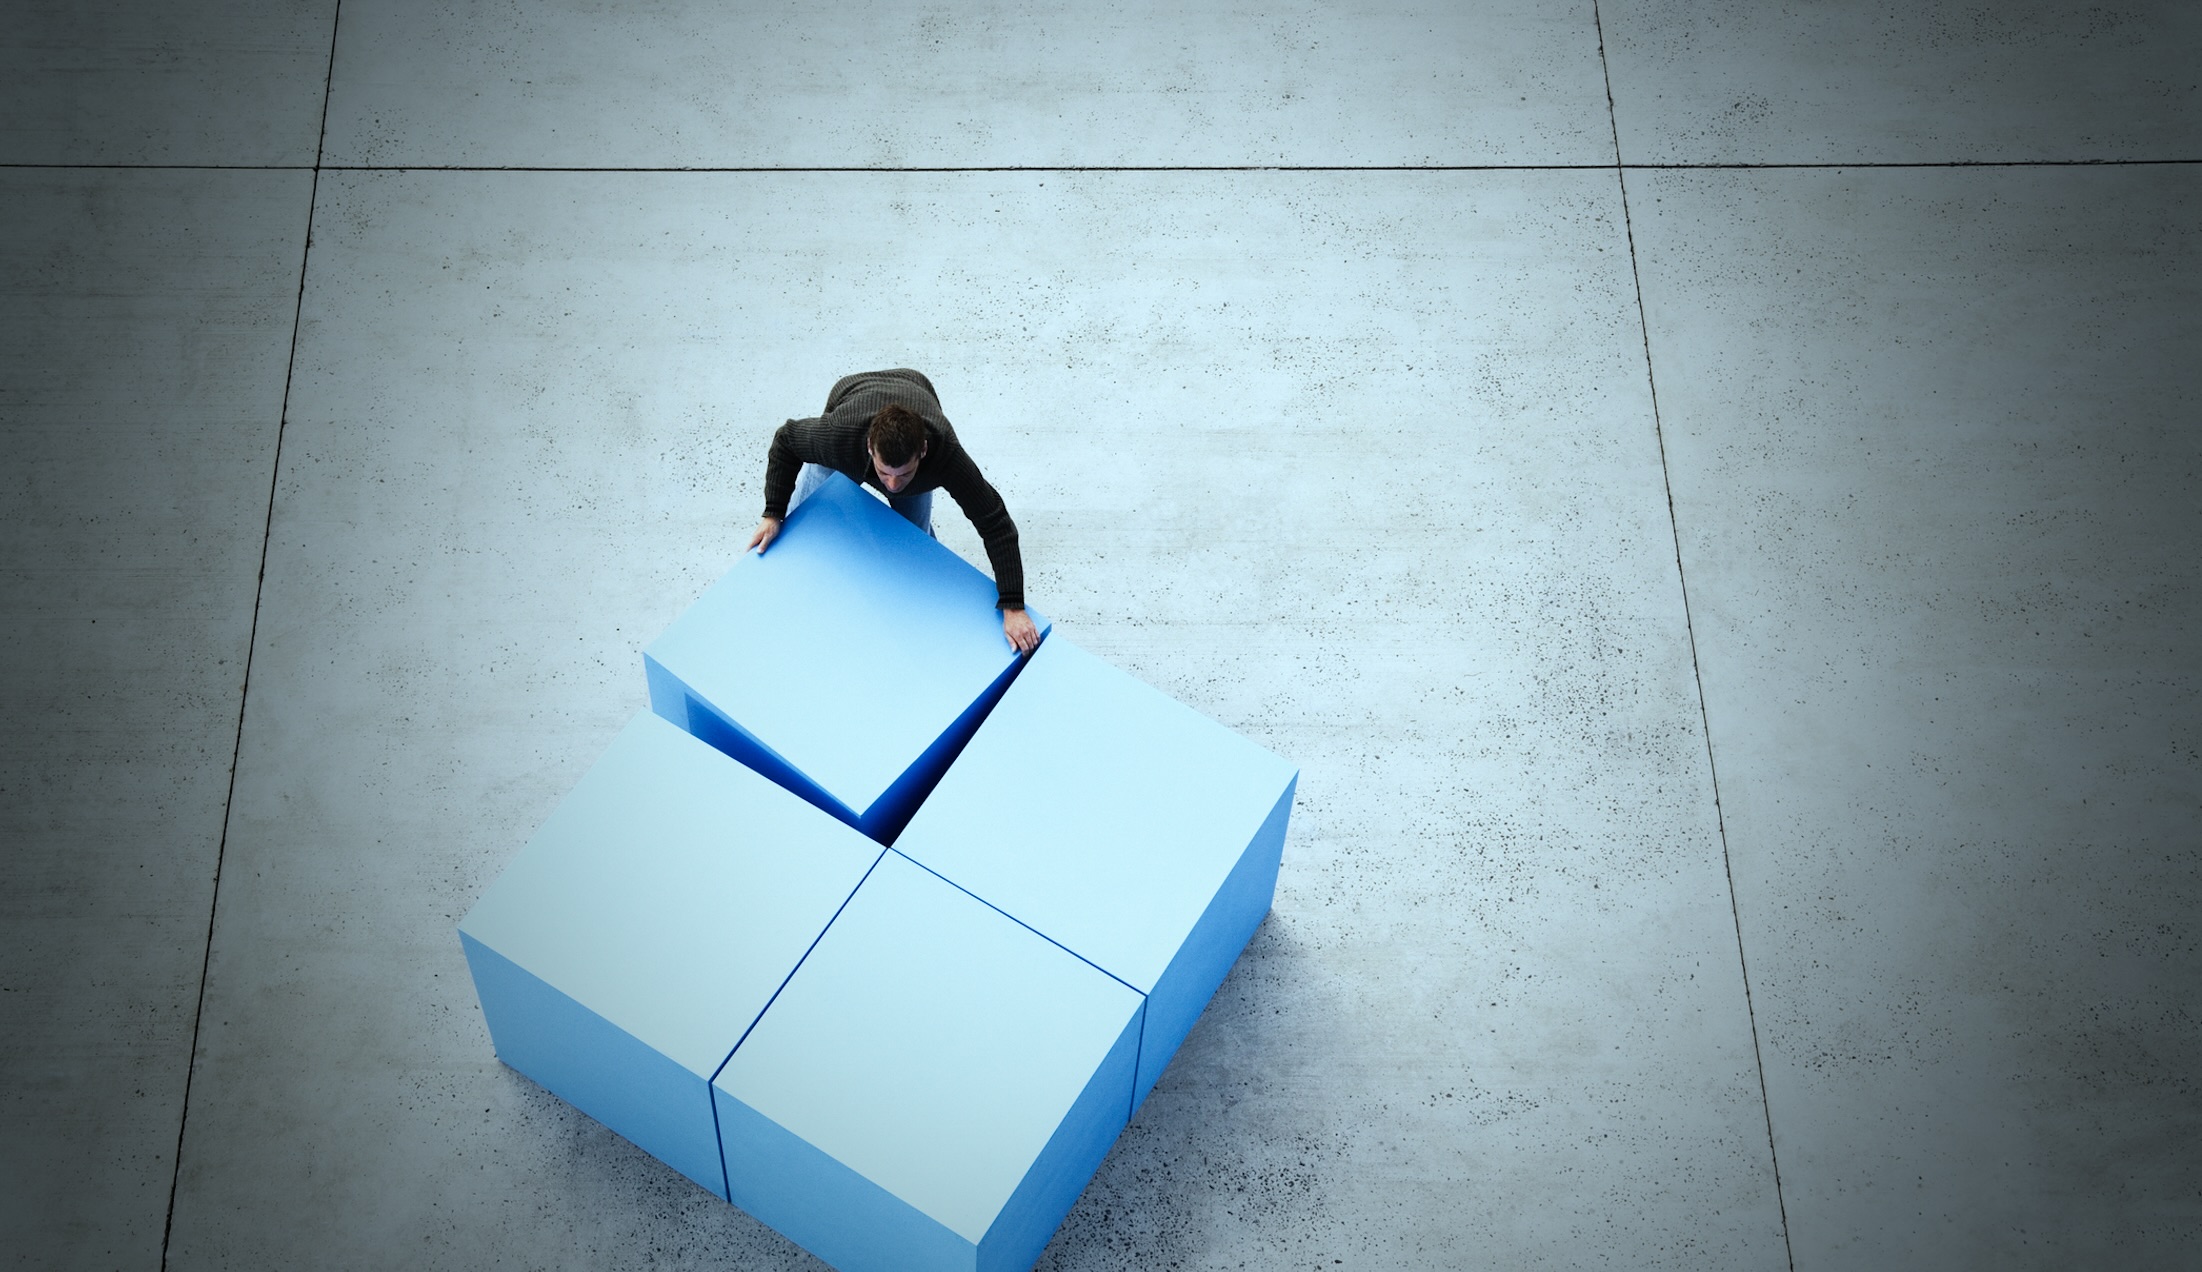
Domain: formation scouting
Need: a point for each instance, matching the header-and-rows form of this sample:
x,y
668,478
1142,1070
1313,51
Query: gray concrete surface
x,y
1862,81
148,323
141,82
1935,452
554,450
875,83
1364,463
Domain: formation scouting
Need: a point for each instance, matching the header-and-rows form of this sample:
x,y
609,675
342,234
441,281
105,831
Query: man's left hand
x,y
1017,628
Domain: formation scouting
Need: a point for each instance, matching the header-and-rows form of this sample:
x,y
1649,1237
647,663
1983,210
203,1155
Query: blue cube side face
x,y
1125,826
934,1078
887,817
1197,971
845,662
644,927
854,1225
1057,1177
672,702
599,1068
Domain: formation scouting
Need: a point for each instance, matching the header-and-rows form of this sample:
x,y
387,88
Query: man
x,y
885,428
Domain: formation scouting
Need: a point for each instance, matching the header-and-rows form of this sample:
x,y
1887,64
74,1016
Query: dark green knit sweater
x,y
836,440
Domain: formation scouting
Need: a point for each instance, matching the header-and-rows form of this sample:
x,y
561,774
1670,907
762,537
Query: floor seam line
x,y
252,640
1689,627
730,169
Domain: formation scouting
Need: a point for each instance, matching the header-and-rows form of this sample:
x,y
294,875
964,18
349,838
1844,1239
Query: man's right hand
x,y
767,531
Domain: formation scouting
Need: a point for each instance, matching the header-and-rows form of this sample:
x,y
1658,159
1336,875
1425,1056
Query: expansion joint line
x,y
1818,165
1689,627
252,641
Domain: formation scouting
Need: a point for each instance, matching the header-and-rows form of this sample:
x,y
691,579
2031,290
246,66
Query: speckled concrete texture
x,y
1752,831
876,83
1310,454
1935,458
1863,81
237,83
133,499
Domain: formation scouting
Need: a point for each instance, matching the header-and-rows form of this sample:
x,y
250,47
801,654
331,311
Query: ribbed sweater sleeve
x,y
990,517
812,441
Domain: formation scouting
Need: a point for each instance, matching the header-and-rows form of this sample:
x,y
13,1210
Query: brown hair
x,y
897,435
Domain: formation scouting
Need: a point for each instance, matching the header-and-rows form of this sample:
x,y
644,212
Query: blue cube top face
x,y
933,1046
847,649
671,893
1098,810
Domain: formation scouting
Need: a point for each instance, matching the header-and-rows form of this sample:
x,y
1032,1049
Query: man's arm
x,y
781,465
794,444
990,517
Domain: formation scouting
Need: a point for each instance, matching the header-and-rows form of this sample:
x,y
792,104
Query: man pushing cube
x,y
885,429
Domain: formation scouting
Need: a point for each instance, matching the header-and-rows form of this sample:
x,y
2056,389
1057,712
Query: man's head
x,y
897,443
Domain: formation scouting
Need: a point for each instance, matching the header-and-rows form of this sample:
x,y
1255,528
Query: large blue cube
x,y
1136,832
849,662
933,1088
641,931
901,1058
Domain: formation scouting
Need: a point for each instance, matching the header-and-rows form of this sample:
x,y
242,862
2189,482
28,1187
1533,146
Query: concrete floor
x,y
1706,493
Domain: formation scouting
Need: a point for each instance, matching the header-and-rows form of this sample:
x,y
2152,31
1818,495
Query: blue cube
x,y
911,1057
849,662
642,930
1110,818
933,1088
